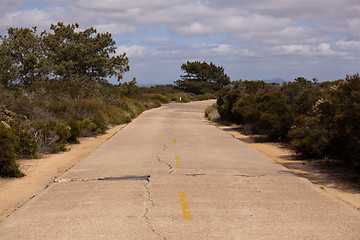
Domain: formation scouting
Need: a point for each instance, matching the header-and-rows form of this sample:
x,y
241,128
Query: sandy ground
x,y
41,172
317,171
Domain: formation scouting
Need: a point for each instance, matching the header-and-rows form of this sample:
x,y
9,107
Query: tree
x,y
21,57
83,54
202,77
65,54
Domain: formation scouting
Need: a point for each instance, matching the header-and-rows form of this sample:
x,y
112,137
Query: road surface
x,y
171,175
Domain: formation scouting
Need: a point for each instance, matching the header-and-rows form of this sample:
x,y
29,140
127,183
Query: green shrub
x,y
63,131
51,135
99,121
87,128
309,137
8,165
264,113
185,99
26,146
212,113
159,97
75,130
206,96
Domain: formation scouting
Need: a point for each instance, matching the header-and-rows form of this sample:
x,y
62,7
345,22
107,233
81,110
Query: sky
x,y
251,39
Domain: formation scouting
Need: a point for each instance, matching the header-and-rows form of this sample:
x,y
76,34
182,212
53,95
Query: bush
x,y
320,120
51,135
26,146
159,97
309,137
212,113
265,112
75,130
8,165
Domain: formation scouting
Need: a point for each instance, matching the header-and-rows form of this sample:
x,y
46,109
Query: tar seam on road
x,y
248,176
195,174
122,178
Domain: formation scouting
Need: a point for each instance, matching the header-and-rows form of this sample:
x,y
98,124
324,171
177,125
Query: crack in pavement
x,y
165,147
148,194
171,169
147,210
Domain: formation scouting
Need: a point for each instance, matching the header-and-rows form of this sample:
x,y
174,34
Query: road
x,y
171,175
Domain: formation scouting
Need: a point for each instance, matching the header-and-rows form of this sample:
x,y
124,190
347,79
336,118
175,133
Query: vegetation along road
x,y
171,175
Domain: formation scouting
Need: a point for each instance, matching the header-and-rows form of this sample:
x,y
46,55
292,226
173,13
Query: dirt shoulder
x,y
322,173
41,172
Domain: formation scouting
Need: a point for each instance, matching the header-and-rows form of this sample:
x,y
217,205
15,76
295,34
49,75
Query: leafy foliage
x,y
54,89
82,55
21,57
8,165
66,54
319,119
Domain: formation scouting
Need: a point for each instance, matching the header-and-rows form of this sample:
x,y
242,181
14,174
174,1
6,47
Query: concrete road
x,y
171,175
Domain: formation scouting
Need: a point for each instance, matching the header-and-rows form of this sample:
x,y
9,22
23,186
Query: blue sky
x,y
261,39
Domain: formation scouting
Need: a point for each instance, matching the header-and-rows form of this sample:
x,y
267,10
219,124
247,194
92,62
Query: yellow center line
x,y
172,125
185,206
174,141
172,132
177,160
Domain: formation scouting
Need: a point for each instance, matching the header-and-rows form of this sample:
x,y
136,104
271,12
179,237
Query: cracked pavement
x,y
168,163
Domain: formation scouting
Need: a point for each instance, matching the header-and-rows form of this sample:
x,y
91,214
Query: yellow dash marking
x,y
172,132
185,206
174,141
177,160
172,125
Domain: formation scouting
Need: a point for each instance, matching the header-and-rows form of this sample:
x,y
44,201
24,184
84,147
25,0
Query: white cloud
x,y
255,22
249,35
223,48
323,49
195,28
348,45
26,18
115,28
158,41
132,51
6,5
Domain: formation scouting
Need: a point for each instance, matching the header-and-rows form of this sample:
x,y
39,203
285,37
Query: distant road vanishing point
x,y
171,175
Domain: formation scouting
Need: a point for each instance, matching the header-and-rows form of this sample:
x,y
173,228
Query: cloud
x,y
26,18
158,41
132,51
115,28
348,45
323,49
6,5
276,36
195,28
